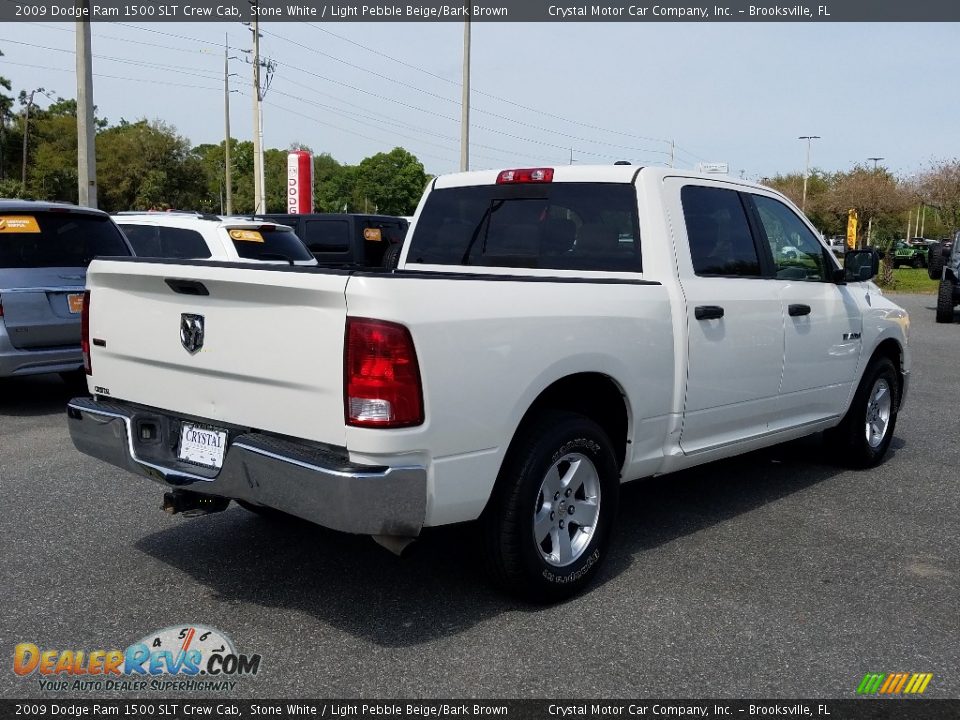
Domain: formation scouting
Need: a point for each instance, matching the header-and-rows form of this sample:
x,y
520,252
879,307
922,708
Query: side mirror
x,y
860,265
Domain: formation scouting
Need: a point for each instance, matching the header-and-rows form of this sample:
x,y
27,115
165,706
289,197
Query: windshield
x,y
57,239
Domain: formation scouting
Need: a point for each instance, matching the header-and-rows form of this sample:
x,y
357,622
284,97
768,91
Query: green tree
x,y
146,164
275,180
939,187
6,105
876,196
52,160
818,183
392,182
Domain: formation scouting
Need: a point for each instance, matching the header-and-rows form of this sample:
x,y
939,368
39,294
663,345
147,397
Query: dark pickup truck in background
x,y
354,240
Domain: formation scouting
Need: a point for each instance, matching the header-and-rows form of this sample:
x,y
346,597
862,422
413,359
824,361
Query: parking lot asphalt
x,y
771,575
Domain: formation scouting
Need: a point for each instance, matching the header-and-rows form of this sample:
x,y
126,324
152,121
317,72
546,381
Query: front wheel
x,y
918,261
862,438
935,265
547,527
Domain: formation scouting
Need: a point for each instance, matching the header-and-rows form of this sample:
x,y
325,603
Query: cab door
x,y
734,322
822,320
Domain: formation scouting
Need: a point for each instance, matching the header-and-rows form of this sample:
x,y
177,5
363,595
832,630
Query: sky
x,y
543,93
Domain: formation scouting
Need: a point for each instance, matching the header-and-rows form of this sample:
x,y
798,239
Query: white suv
x,y
183,236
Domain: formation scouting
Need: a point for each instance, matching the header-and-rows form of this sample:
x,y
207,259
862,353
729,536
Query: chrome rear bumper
x,y
296,478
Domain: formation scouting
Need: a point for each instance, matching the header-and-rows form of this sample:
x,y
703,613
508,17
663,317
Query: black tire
x,y
945,302
918,261
935,263
392,256
513,556
848,441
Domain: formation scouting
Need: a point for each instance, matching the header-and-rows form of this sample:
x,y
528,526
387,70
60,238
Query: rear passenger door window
x,y
797,254
718,231
182,243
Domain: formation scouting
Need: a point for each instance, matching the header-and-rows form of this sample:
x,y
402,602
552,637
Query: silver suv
x,y
45,249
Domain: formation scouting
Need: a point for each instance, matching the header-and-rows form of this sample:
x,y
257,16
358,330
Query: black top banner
x,y
487,11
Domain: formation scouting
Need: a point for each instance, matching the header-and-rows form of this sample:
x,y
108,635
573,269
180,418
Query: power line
x,y
128,61
112,77
481,92
100,36
508,119
511,120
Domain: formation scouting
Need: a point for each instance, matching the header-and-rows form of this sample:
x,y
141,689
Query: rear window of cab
x,y
268,242
57,239
568,226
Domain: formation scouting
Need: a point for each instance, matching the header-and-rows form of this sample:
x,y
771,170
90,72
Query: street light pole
x,y
806,172
257,149
465,99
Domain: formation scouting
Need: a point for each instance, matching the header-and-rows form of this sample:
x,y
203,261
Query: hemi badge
x,y
851,336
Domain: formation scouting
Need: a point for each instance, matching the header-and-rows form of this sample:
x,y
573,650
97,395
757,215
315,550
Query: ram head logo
x,y
191,332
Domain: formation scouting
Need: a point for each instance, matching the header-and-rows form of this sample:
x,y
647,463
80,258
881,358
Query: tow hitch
x,y
193,504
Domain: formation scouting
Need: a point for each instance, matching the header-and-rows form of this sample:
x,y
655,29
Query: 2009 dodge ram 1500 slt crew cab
x,y
548,334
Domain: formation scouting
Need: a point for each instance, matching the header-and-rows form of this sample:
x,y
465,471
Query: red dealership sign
x,y
300,182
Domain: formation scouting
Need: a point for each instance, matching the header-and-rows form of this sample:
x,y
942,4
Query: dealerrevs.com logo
x,y
180,657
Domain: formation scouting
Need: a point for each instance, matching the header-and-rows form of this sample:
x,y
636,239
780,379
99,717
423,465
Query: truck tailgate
x,y
271,356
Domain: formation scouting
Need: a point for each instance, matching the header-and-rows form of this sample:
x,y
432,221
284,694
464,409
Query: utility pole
x,y
673,148
465,99
26,134
806,172
86,131
228,182
258,206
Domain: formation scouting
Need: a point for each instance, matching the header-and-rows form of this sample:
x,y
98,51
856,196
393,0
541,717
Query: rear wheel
x,y
547,527
945,302
861,440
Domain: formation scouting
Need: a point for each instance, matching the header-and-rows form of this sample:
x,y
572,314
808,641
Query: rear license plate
x,y
202,446
75,302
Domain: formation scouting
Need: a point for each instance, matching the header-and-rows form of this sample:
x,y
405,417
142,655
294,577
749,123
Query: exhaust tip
x,y
192,504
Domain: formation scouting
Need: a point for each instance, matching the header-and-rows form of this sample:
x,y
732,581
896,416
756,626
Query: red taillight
x,y
85,333
526,175
381,376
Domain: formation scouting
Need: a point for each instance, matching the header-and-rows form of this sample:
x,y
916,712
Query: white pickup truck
x,y
548,334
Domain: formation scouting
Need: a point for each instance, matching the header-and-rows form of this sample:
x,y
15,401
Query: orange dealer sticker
x,y
247,235
18,224
372,234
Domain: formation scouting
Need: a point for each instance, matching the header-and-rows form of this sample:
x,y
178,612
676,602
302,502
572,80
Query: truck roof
x,y
8,205
585,173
